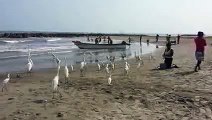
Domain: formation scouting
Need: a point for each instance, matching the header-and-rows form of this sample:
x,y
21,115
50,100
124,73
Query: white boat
x,y
100,46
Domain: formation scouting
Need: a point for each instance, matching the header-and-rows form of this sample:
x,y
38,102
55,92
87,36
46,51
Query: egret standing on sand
x,y
82,67
30,63
127,67
55,82
5,82
107,69
72,68
109,80
99,66
66,71
113,65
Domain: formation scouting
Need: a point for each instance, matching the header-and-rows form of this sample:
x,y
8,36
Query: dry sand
x,y
145,94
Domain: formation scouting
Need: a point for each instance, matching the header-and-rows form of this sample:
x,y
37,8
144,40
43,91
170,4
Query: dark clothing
x,y
157,37
96,41
168,53
168,62
178,39
200,48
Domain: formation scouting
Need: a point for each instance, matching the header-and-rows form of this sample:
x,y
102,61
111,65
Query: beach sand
x,y
144,94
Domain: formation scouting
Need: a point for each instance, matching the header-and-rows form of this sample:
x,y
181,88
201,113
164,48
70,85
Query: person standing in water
x,y
140,40
167,55
178,39
157,38
200,43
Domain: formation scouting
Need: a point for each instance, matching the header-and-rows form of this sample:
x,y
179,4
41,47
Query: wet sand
x,y
144,94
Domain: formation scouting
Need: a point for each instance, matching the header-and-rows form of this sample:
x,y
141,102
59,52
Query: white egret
x,y
127,67
72,68
99,66
30,63
82,67
139,65
107,69
151,57
113,66
109,80
66,71
55,82
5,82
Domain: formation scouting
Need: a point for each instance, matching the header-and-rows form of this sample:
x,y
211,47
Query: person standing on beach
x,y
140,39
178,39
129,40
157,38
200,48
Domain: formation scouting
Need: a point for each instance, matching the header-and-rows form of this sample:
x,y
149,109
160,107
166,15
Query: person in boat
x,y
100,39
123,42
96,41
88,39
104,38
147,41
109,40
167,55
200,48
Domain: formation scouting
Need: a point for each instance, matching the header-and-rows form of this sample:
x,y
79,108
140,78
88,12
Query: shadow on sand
x,y
185,73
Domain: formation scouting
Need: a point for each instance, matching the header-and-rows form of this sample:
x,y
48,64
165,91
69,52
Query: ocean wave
x,y
53,40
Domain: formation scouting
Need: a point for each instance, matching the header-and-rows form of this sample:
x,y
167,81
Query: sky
x,y
107,16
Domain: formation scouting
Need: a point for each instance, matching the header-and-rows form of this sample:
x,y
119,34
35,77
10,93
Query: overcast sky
x,y
111,16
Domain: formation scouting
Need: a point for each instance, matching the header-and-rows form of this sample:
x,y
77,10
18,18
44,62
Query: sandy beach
x,y
144,94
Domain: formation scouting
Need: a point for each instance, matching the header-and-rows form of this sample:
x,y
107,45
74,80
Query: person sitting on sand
x,y
167,55
200,48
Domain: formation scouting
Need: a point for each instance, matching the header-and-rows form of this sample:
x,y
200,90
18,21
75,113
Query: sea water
x,y
14,52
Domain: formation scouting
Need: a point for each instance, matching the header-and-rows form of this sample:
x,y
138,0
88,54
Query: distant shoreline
x,y
76,34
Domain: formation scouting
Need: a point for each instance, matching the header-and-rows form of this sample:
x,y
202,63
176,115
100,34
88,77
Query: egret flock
x,y
109,67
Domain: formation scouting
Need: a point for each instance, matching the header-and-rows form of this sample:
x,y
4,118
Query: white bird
x,y
72,68
82,67
113,66
127,67
151,57
30,63
99,66
109,80
66,71
5,82
55,81
107,69
139,65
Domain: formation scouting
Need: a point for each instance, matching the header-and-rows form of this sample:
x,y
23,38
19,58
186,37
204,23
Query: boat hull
x,y
99,46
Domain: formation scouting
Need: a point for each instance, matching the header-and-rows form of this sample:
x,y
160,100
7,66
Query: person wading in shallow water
x,y
167,55
200,48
